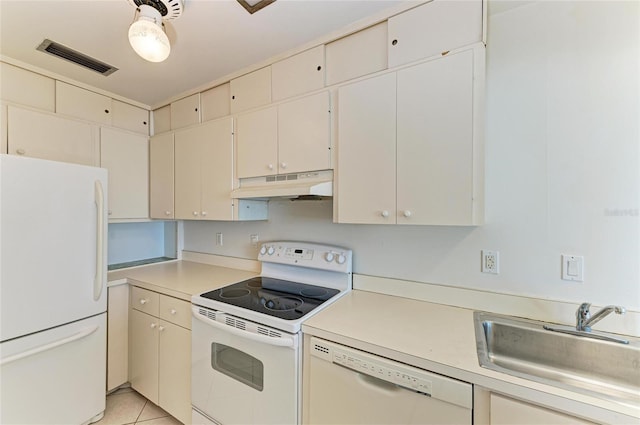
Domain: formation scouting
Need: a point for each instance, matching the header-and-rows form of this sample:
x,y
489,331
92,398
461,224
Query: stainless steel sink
x,y
523,348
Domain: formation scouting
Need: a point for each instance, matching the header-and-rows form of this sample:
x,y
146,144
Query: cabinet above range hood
x,y
312,183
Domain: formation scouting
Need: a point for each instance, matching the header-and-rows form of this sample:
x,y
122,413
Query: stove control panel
x,y
316,256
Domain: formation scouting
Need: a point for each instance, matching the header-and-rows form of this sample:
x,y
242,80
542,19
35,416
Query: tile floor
x,y
126,406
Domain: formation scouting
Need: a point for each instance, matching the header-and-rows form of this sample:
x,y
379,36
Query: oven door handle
x,y
279,342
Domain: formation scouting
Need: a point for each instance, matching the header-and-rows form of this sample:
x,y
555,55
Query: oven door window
x,y
237,365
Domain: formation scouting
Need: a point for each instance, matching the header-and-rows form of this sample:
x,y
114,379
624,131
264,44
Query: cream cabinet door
x,y
507,411
433,28
174,370
80,103
358,54
251,90
188,186
126,156
304,134
117,336
49,136
214,103
366,169
204,171
161,176
143,361
257,143
27,88
162,119
130,117
217,169
298,74
185,112
435,142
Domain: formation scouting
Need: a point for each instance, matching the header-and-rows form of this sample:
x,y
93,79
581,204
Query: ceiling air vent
x,y
76,57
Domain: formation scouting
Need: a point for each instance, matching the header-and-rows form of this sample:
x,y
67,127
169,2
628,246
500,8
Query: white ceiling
x,y
212,38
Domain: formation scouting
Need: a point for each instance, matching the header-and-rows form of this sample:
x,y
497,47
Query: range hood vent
x,y
308,184
64,52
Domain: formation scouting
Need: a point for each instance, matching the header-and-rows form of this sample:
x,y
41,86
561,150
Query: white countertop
x,y
441,339
179,279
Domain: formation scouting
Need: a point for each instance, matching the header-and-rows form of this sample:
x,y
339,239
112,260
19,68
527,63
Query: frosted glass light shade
x,y
147,37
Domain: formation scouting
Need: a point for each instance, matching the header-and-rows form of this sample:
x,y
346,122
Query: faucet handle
x,y
582,316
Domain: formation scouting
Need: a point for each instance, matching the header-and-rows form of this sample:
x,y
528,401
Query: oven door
x,y
239,375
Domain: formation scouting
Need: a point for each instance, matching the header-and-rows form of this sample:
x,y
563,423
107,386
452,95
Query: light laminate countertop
x,y
179,279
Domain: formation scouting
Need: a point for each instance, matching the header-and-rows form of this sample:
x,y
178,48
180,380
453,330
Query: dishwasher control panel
x,y
373,367
406,376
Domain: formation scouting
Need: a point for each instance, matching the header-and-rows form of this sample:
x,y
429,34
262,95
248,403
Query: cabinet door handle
x,y
167,213
20,151
407,213
385,213
270,166
204,213
173,311
161,328
143,301
195,213
283,165
153,325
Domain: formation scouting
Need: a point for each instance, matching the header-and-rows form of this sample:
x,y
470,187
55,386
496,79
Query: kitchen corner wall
x,y
562,169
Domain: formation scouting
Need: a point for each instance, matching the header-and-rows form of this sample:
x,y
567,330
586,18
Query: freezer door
x,y
52,244
56,376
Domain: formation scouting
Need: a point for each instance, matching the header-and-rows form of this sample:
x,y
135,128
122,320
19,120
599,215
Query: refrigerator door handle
x,y
98,283
83,333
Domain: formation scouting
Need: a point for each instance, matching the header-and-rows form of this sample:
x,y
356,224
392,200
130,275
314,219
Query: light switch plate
x,y
573,268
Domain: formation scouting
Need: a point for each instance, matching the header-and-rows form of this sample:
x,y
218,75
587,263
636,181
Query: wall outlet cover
x,y
490,262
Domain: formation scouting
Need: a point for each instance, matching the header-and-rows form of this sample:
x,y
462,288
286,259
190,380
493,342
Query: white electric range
x,y
246,338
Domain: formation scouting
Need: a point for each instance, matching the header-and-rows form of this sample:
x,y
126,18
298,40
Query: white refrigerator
x,y
53,297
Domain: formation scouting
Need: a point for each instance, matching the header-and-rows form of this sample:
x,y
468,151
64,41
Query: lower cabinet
x,y
160,351
508,411
117,336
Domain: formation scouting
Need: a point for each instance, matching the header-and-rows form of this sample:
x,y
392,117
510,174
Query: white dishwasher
x,y
348,386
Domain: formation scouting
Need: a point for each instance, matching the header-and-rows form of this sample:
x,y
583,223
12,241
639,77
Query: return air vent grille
x,y
76,57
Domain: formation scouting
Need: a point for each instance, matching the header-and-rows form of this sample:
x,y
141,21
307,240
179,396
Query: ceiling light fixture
x,y
252,6
147,33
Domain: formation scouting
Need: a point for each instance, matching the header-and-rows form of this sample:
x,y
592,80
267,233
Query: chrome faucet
x,y
584,319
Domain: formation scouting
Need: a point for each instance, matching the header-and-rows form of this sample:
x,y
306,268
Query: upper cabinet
x,y
203,171
288,138
81,103
27,88
358,54
130,117
185,112
84,104
298,74
126,156
161,176
215,102
251,90
49,136
433,28
410,145
162,120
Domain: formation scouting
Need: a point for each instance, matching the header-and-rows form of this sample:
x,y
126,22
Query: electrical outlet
x,y
254,240
219,239
490,262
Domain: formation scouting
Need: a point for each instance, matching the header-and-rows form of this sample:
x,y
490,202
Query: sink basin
x,y
523,348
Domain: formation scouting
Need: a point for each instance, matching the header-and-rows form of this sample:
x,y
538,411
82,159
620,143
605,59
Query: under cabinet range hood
x,y
312,183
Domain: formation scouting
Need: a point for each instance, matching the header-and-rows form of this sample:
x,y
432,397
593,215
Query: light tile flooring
x,y
126,406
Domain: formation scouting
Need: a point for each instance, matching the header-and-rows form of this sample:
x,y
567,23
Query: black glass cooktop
x,y
275,297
